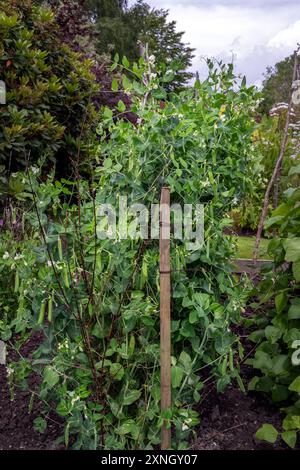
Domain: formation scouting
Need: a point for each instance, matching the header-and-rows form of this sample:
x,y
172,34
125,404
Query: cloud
x,y
287,38
255,33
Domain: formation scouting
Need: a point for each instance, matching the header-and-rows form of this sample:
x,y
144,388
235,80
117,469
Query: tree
x,y
55,84
152,26
106,8
124,29
277,84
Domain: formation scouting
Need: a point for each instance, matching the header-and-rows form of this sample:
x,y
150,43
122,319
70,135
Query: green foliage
x,y
277,84
267,139
49,90
276,356
97,300
127,32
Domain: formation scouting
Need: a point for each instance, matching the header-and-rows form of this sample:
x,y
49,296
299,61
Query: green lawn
x,y
246,245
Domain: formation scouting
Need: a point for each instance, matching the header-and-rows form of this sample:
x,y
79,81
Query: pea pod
x,y
66,277
21,306
231,364
42,312
99,262
17,282
224,366
59,247
50,309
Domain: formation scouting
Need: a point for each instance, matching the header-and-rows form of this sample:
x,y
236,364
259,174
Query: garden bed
x,y
228,420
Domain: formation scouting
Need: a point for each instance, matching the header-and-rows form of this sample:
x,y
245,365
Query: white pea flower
x,y
9,371
34,170
6,255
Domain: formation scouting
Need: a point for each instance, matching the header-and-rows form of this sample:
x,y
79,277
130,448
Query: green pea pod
x,y
42,312
224,366
50,309
90,310
59,247
99,262
231,364
21,306
131,345
17,282
66,277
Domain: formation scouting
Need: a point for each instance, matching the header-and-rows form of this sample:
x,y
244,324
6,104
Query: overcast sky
x,y
257,33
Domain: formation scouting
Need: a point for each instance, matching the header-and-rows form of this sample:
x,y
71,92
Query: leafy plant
x,y
279,334
97,300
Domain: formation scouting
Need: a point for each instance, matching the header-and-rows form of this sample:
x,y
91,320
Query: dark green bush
x,y
50,88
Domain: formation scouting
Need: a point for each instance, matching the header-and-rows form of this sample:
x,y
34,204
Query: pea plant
x,y
97,300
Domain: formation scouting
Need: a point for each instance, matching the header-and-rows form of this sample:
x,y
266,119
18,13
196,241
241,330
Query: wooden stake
x,y
165,311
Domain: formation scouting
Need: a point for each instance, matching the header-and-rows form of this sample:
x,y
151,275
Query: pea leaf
x,y
117,371
51,377
267,432
295,385
114,85
131,397
290,438
296,270
177,375
292,249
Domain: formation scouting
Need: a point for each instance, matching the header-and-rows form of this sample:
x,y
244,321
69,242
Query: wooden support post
x,y
165,311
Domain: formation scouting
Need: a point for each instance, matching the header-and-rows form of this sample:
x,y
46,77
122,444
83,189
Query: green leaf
x,y
128,427
291,422
114,85
121,106
117,371
273,333
292,249
193,316
280,302
262,361
186,361
267,432
294,312
279,393
40,425
177,376
256,336
51,377
107,113
296,270
127,85
125,62
295,170
131,397
290,438
295,385
280,364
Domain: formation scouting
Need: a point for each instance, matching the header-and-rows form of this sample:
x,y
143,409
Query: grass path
x,y
246,245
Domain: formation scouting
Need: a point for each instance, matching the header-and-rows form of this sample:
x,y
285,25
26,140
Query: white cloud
x,y
257,33
287,38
